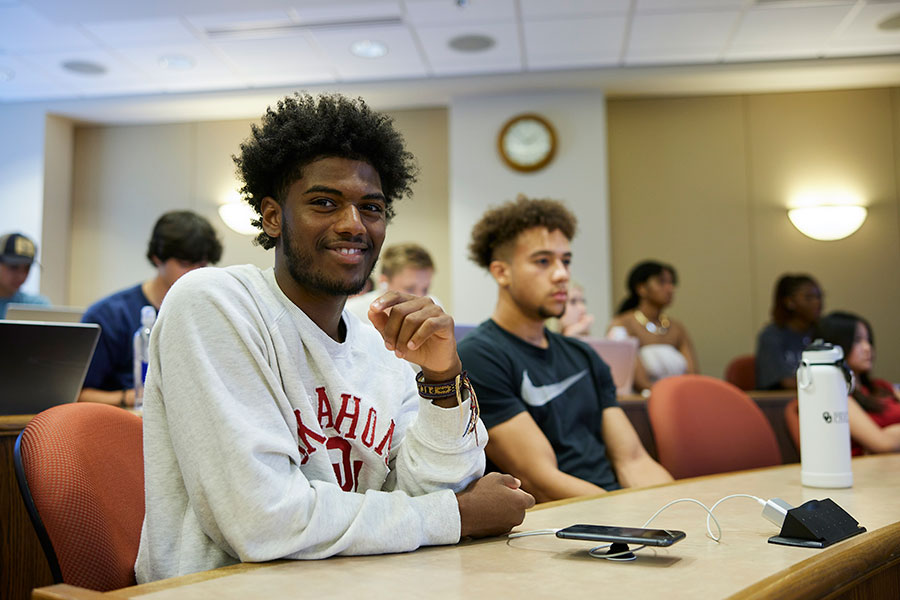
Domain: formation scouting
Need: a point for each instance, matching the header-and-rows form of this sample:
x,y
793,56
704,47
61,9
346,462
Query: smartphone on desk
x,y
627,535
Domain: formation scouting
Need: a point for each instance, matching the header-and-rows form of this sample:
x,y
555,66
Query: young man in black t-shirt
x,y
548,401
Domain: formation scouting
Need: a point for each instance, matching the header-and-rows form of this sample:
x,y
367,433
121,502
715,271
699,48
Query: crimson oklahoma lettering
x,y
349,412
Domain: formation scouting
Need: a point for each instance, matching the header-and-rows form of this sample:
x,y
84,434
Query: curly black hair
x,y
302,129
503,224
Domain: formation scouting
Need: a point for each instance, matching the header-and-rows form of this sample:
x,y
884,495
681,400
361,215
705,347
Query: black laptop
x,y
43,364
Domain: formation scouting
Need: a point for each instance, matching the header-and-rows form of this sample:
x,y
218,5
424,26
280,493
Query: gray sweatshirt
x,y
264,438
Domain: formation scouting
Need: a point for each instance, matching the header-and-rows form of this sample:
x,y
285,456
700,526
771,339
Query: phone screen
x,y
632,535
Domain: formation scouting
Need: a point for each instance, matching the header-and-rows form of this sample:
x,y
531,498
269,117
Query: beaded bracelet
x,y
459,387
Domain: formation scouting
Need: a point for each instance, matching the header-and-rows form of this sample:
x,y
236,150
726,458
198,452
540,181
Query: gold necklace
x,y
661,329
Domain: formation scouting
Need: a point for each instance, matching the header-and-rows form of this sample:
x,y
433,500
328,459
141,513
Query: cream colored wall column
x,y
479,179
22,176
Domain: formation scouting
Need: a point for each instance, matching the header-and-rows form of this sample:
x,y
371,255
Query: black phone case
x,y
610,536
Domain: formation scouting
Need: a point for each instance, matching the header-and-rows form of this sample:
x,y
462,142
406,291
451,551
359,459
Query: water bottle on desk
x,y
823,384
142,353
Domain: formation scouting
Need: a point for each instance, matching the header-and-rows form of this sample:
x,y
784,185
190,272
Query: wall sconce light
x,y
237,214
827,223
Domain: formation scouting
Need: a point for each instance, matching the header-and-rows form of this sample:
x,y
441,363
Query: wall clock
x,y
527,142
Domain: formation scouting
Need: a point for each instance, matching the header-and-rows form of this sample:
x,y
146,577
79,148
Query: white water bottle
x,y
142,353
823,384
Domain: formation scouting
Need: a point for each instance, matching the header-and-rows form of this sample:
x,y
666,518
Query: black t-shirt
x,y
564,388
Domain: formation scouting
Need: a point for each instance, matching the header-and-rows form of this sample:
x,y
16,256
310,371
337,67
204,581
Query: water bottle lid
x,y
822,353
148,316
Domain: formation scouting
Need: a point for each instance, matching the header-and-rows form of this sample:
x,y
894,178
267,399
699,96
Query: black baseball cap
x,y
16,249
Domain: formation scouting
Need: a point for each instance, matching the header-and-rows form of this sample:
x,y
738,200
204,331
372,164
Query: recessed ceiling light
x,y
7,74
368,49
176,62
891,23
471,43
84,67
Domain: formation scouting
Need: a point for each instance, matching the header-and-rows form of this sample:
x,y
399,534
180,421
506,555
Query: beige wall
x,y
704,183
59,135
126,176
701,182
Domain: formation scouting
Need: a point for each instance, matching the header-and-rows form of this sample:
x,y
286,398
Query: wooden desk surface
x,y
743,565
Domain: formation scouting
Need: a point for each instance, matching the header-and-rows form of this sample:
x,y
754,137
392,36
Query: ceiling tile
x,y
789,32
359,10
402,60
118,76
680,37
22,29
560,9
594,41
864,25
90,11
681,5
27,82
207,66
283,59
133,33
861,36
505,55
446,12
244,19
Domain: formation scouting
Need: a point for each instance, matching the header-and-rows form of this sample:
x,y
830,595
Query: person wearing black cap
x,y
16,257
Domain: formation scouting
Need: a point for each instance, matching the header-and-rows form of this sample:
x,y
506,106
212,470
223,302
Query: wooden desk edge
x,y
825,575
62,591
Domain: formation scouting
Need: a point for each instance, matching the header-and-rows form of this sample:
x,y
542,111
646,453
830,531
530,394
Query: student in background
x,y
795,312
665,346
874,405
181,242
17,254
406,268
576,321
548,400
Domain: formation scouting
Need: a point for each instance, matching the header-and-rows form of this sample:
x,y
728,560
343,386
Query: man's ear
x,y
271,216
499,270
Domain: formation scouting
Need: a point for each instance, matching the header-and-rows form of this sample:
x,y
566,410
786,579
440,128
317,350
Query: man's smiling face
x,y
333,225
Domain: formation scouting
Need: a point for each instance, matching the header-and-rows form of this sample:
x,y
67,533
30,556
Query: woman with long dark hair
x,y
665,347
874,405
779,347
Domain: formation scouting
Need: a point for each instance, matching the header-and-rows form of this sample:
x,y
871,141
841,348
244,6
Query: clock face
x,y
527,142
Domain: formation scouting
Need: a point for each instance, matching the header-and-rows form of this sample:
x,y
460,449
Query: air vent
x,y
286,29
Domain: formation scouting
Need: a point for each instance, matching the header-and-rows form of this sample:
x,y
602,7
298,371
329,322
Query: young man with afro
x,y
548,401
276,425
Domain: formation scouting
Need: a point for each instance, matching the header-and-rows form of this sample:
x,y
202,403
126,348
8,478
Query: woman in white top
x,y
665,347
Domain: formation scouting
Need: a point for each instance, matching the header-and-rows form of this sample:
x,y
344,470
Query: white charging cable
x,y
774,510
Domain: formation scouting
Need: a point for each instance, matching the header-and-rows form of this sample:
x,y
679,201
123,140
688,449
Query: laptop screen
x,y
621,356
39,312
43,364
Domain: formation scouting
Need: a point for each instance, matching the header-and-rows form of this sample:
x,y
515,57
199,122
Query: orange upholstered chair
x,y
704,425
792,420
741,372
81,473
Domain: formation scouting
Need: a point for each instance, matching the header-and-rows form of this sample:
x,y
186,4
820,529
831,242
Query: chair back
x,y
741,372
704,425
792,421
80,469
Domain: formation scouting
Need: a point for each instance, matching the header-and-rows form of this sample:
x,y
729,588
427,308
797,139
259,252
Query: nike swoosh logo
x,y
540,395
